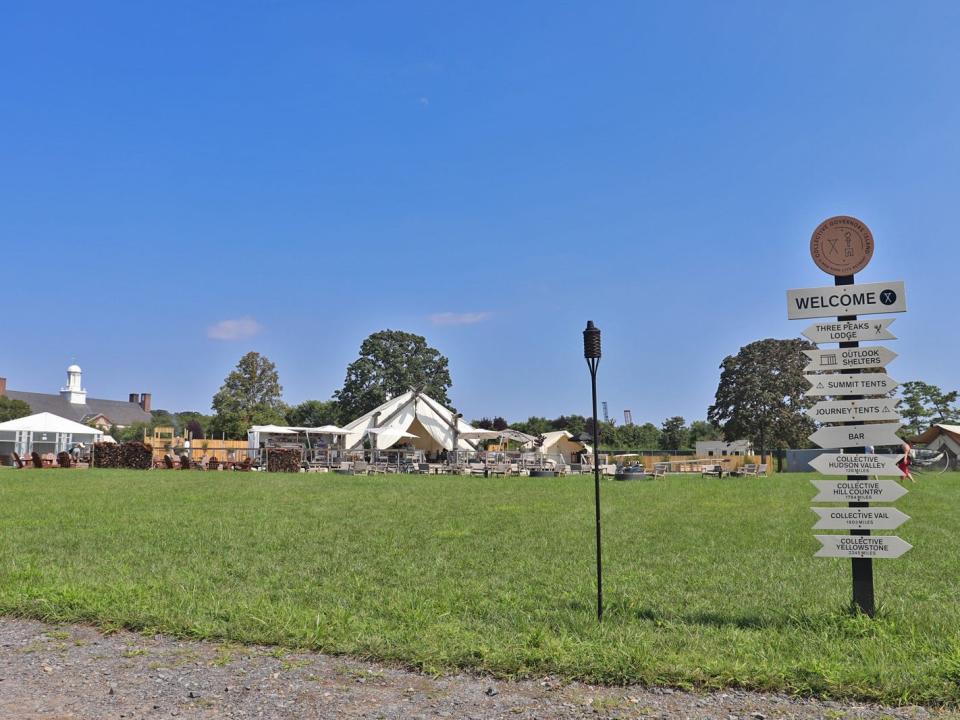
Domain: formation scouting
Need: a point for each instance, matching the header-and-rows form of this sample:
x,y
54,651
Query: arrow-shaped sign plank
x,y
847,436
857,464
853,410
861,546
873,357
858,490
839,384
850,331
875,518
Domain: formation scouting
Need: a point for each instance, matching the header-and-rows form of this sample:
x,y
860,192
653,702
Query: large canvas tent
x,y
560,443
44,433
943,438
413,413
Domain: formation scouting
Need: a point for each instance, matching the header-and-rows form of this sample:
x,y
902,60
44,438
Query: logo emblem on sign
x,y
888,297
841,245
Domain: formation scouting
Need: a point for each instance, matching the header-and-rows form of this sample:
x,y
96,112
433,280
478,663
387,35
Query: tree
x,y
499,423
674,434
761,395
921,402
637,437
195,429
250,395
912,407
130,433
11,409
314,413
392,362
703,430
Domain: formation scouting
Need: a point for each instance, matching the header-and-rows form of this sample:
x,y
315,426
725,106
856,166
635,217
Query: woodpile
x,y
132,455
106,455
283,460
136,456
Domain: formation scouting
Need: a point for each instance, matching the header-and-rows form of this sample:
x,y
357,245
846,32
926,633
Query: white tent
x,y
260,432
44,432
435,427
941,437
560,443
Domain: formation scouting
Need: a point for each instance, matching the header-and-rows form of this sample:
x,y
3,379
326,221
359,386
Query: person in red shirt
x,y
904,464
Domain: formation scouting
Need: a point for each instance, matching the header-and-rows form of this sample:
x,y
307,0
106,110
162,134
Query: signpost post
x,y
842,246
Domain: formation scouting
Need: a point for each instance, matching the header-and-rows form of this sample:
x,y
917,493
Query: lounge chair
x,y
660,470
19,461
749,469
716,470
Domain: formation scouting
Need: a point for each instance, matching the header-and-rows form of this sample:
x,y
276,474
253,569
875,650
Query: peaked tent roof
x,y
48,423
397,415
935,431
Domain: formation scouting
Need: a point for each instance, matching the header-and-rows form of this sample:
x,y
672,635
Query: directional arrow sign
x,y
853,410
866,299
856,464
858,490
845,436
875,518
861,546
872,357
850,331
846,384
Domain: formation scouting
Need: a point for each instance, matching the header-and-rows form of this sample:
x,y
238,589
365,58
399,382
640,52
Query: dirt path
x,y
78,672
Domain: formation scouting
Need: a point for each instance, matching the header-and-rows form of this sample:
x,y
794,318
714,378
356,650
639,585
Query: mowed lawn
x,y
707,583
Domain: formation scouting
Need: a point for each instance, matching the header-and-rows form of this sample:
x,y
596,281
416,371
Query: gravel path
x,y
78,672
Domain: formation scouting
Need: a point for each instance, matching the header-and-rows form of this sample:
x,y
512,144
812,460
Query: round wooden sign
x,y
841,245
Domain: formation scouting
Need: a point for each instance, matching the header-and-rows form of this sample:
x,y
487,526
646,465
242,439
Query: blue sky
x,y
183,182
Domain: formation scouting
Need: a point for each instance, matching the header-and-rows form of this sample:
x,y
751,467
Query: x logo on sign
x,y
833,245
888,297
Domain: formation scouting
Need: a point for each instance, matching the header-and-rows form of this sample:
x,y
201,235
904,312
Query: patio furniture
x,y
660,470
749,469
717,471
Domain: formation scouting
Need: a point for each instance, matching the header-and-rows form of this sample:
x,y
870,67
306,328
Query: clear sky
x,y
182,182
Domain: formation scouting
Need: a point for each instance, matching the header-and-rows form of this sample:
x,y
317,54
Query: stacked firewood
x,y
283,460
132,455
136,456
106,455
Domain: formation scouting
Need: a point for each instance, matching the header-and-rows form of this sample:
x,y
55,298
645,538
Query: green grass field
x,y
708,583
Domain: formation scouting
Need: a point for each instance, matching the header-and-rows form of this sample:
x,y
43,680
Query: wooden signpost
x,y
860,409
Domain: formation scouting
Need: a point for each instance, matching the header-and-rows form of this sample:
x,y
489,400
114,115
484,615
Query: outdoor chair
x,y
168,462
19,461
717,471
423,468
36,460
762,469
502,469
184,462
361,467
660,470
749,469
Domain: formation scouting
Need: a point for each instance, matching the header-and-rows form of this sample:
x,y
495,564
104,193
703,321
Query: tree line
x,y
760,397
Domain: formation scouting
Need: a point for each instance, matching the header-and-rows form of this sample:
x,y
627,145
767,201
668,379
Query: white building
x,y
722,448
